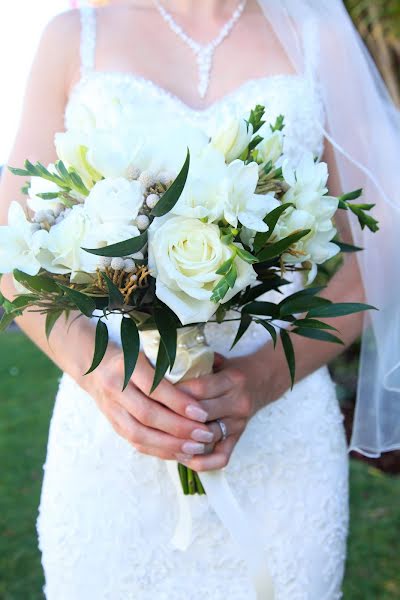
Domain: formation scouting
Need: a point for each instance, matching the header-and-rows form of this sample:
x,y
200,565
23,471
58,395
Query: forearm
x,y
345,286
71,343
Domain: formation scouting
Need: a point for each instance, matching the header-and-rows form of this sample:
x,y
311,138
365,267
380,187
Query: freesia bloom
x,y
233,138
241,203
271,146
184,255
20,243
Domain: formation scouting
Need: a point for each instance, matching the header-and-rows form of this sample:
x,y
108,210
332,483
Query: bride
x,y
108,507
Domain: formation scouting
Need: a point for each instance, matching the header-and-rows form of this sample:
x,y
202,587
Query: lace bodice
x,y
112,97
295,96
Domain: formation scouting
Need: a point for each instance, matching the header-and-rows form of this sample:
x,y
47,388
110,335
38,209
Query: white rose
x,y
20,243
63,253
184,255
112,153
271,146
233,138
114,201
241,203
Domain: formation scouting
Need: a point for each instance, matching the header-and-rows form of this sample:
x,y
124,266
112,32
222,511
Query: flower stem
x,y
183,475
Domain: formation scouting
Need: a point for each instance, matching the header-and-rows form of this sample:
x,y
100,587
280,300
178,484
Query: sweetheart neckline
x,y
164,93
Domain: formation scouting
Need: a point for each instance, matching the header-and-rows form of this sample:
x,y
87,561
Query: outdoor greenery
x,y
379,23
24,419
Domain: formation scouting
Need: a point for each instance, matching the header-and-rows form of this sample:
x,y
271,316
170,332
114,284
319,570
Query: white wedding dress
x,y
107,512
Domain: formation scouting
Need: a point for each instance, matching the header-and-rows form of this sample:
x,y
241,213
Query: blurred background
x,y
25,410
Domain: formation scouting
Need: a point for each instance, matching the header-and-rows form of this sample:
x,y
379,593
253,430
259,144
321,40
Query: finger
x,y
219,362
215,461
157,443
167,394
208,386
153,414
233,426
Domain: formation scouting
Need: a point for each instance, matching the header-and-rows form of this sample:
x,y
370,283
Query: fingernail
x,y
183,458
202,436
193,448
196,413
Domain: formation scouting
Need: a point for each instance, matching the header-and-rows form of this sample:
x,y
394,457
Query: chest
x,y
108,99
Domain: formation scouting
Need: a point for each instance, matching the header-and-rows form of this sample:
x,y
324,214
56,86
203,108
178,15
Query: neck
x,y
201,8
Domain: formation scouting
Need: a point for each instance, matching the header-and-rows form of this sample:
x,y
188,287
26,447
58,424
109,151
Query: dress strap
x,y
88,39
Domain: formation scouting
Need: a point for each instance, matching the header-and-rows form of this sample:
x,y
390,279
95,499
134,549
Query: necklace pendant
x,y
204,63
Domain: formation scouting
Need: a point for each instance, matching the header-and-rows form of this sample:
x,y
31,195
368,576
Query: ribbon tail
x,y
182,536
242,530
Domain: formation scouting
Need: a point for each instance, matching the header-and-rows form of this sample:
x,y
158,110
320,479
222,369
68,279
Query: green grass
x,y
27,386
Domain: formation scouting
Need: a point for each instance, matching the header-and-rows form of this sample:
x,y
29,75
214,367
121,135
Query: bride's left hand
x,y
233,393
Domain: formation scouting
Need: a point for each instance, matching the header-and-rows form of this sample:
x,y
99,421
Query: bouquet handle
x,y
195,358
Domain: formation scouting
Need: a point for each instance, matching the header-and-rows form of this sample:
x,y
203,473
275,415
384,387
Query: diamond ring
x,y
223,428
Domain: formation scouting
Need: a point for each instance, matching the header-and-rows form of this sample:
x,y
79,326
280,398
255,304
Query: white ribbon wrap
x,y
195,358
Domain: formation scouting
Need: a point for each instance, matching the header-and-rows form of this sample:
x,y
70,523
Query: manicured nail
x,y
196,413
193,448
183,458
199,435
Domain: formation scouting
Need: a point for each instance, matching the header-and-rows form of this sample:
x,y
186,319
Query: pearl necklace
x,y
204,53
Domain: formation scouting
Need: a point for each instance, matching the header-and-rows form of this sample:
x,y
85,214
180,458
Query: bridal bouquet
x,y
118,226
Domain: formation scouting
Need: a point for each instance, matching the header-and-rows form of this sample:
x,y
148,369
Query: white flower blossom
x,y
184,255
233,138
20,243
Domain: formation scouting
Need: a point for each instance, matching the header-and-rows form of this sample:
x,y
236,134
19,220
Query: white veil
x,y
364,129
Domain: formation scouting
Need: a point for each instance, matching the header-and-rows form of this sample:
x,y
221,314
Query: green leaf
x,y
339,309
289,354
271,220
167,326
246,256
279,124
220,290
255,141
255,118
317,334
120,249
267,309
36,283
84,303
130,347
301,304
272,283
162,366
48,195
273,250
225,267
116,299
6,321
347,247
19,172
231,276
245,322
313,324
172,195
351,196
270,328
100,345
51,320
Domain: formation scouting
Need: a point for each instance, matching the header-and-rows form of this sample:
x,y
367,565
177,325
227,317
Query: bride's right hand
x,y
168,423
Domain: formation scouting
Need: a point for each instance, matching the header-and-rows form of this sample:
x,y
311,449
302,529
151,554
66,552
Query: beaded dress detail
x,y
107,512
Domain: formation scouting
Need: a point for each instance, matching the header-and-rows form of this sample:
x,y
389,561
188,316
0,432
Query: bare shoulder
x,y
59,47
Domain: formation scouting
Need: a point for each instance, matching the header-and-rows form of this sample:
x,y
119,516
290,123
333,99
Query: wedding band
x,y
223,429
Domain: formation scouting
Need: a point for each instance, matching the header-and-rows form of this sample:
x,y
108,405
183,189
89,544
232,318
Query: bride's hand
x,y
233,394
168,423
